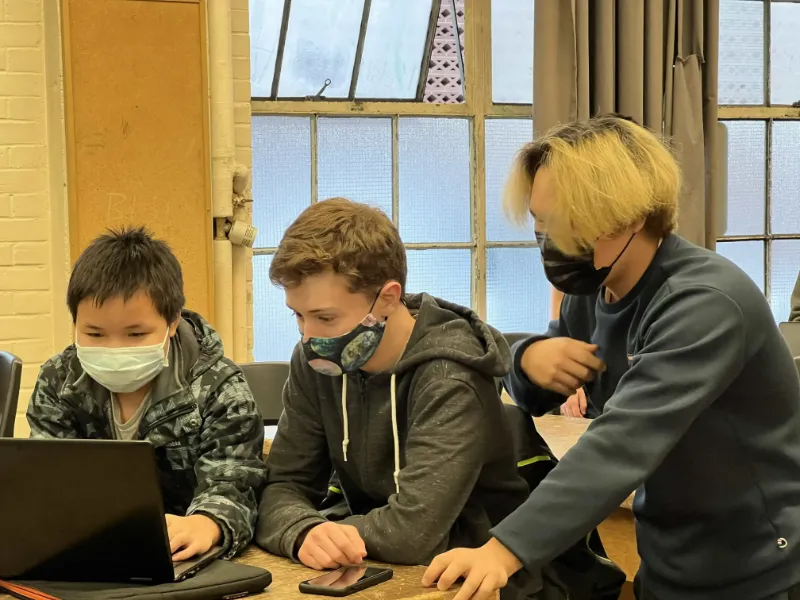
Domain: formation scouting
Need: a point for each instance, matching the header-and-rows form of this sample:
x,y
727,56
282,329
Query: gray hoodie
x,y
440,475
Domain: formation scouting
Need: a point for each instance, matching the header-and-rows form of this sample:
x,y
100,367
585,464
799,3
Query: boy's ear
x,y
390,297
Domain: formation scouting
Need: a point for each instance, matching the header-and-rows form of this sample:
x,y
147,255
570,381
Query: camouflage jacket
x,y
202,420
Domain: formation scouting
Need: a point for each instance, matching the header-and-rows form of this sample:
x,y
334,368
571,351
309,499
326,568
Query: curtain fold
x,y
653,60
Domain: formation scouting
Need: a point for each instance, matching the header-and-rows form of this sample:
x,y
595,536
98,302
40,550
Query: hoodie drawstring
x,y
346,438
395,434
396,437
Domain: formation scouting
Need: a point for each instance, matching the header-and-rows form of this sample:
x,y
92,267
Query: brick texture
x,y
243,135
26,319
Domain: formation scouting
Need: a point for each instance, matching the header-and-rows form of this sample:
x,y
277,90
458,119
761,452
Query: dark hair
x,y
123,262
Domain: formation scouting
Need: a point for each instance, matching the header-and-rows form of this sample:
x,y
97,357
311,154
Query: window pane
x,y
783,272
784,53
748,256
444,84
517,292
785,177
281,174
512,51
363,171
393,48
265,28
446,274
320,44
741,52
504,138
747,163
275,330
434,190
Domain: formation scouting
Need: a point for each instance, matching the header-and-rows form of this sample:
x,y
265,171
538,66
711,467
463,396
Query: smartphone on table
x,y
346,581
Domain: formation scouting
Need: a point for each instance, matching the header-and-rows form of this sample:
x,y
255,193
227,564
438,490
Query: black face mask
x,y
574,275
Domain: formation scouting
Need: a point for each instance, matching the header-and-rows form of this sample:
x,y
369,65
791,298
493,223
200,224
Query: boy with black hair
x,y
144,368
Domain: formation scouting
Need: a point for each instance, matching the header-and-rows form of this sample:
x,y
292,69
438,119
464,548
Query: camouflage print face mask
x,y
346,353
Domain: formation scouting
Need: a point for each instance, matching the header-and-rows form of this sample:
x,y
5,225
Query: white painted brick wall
x,y
26,320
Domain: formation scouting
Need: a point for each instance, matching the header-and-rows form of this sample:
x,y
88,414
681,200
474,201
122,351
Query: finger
x,y
355,538
587,359
322,557
567,382
572,411
331,548
187,553
345,545
451,574
582,401
436,568
488,588
468,588
577,370
308,560
178,541
563,409
559,388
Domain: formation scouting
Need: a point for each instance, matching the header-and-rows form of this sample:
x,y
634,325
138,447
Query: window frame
x,y
768,113
477,108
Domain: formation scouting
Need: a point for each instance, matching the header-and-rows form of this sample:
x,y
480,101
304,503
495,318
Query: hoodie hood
x,y
453,332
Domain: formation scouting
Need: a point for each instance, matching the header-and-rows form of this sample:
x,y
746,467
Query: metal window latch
x,y
318,95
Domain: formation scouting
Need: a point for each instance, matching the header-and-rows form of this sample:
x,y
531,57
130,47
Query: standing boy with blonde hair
x,y
699,395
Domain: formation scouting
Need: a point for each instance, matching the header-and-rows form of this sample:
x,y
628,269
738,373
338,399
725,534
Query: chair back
x,y
266,381
10,376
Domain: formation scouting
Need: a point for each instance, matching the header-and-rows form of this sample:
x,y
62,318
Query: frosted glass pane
x,y
748,256
354,160
393,49
281,174
517,292
785,177
434,168
512,51
275,331
741,52
446,274
320,44
504,138
747,163
265,28
784,269
784,54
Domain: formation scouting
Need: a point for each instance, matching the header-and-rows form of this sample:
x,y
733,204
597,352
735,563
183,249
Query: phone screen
x,y
344,577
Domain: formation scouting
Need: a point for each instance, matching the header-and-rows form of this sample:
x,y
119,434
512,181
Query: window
x,y
759,80
428,141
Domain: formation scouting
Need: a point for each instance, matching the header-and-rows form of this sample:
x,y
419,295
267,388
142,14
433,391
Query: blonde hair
x,y
345,237
608,173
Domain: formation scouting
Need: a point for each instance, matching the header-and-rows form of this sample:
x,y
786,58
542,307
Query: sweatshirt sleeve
x,y
47,416
446,446
523,391
692,347
299,470
230,469
794,315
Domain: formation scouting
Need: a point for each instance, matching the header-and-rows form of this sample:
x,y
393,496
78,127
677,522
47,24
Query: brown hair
x,y
351,239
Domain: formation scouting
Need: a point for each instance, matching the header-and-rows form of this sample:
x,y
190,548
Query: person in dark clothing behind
x,y
699,394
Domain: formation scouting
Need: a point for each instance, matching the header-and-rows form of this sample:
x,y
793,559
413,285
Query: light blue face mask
x,y
127,369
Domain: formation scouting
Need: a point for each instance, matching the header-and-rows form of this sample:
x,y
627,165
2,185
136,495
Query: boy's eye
x,y
137,334
95,335
327,319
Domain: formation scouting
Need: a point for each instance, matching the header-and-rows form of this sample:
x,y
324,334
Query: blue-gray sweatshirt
x,y
700,415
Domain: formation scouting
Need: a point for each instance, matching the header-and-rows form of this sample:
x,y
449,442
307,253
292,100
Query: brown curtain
x,y
653,60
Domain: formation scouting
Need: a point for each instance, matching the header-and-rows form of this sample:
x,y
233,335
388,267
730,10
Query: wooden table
x,y
617,531
286,575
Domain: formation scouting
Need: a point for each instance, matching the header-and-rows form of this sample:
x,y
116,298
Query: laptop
x,y
85,510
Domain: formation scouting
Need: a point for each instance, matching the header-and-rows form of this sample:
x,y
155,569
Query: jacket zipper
x,y
167,417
